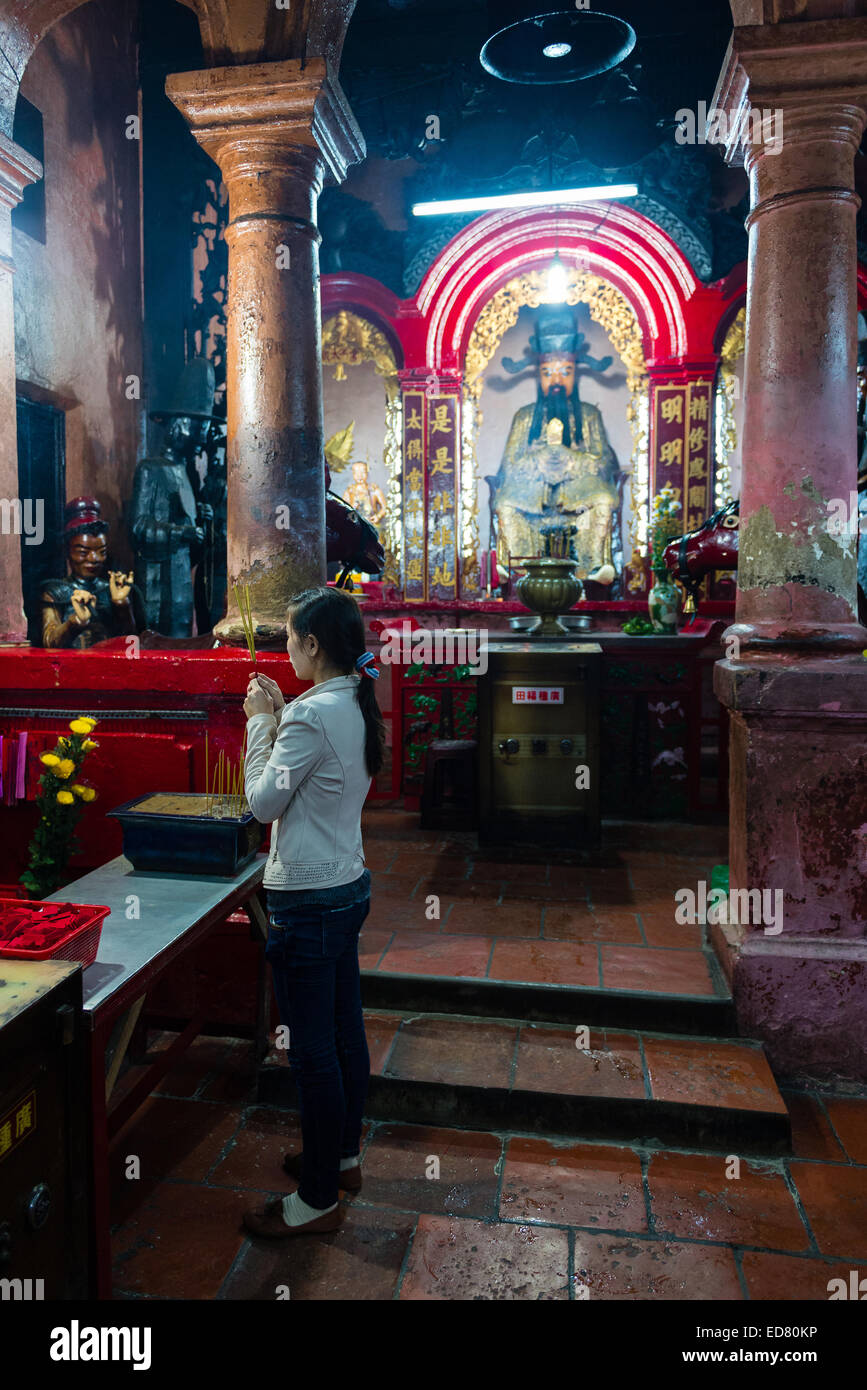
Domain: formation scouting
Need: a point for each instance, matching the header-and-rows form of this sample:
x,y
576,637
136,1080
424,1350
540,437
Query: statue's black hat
x,y
555,333
194,393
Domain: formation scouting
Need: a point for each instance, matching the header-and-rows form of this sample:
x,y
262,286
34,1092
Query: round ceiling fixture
x,y
562,47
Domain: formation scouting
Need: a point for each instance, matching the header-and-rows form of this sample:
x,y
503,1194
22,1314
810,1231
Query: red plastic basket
x,y
80,942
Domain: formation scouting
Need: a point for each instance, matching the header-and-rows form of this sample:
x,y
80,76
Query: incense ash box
x,y
172,833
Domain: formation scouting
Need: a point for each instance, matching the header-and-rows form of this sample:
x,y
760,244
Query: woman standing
x,y
309,768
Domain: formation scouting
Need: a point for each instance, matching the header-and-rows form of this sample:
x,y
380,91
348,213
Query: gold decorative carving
x,y
347,341
609,308
638,415
726,394
469,498
606,304
393,520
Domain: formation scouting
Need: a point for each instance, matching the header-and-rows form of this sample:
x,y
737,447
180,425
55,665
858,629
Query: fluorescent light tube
x,y
527,200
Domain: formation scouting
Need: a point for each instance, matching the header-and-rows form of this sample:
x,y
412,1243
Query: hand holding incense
x,y
245,608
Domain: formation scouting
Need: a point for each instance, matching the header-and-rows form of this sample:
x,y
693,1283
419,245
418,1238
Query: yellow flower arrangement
x,y
83,725
53,840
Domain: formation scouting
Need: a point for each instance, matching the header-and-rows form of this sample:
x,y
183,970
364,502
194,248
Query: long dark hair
x,y
334,619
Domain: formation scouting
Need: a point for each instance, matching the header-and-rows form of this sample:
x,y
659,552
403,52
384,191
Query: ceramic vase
x,y
663,602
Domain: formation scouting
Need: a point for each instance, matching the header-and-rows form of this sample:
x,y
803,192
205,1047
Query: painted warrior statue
x,y
86,608
166,522
568,472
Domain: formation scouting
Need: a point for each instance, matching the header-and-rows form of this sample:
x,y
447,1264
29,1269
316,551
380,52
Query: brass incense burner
x,y
549,587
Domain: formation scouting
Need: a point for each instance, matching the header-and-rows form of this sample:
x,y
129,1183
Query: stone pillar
x,y
17,170
803,90
795,682
276,130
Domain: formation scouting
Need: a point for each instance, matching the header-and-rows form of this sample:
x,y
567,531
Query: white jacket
x,y
308,775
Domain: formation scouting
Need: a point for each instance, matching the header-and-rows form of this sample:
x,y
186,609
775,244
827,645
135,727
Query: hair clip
x,y
366,665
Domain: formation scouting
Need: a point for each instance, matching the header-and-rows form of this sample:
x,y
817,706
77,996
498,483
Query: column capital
x,y
263,113
17,170
815,73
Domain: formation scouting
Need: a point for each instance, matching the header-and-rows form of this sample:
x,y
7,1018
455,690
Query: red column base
x,y
829,637
798,803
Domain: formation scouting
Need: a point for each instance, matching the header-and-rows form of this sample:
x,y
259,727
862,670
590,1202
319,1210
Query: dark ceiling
x,y
406,59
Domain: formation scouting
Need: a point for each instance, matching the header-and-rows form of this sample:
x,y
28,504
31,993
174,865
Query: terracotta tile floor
x,y
466,1051
443,907
458,1215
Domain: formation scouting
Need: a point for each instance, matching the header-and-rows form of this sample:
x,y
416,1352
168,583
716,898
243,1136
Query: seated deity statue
x,y
558,466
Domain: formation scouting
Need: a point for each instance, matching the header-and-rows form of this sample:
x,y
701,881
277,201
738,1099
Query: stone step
x,y
710,1015
644,1087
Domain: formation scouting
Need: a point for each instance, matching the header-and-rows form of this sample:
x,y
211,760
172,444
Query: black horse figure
x,y
714,546
350,540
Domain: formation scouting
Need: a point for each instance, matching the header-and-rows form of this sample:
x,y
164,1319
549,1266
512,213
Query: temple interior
x,y
501,320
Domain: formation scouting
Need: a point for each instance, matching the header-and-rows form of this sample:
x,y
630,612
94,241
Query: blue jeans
x,y
313,953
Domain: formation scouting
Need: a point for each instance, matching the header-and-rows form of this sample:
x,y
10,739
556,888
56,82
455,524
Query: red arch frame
x,y
622,246
678,315
683,321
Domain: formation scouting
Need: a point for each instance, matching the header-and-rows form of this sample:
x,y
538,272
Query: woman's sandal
x,y
349,1179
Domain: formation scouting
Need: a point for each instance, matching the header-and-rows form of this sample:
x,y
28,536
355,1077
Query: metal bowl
x,y
575,622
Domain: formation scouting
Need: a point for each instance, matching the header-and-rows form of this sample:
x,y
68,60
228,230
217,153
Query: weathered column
x,y
803,90
17,170
795,683
275,130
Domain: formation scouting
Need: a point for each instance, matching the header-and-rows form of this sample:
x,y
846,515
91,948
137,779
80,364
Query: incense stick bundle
x,y
242,764
242,598
224,785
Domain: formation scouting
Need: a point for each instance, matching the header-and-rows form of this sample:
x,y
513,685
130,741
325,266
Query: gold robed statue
x,y
555,492
365,496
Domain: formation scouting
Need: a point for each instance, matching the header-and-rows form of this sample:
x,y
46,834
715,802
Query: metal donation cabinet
x,y
539,743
